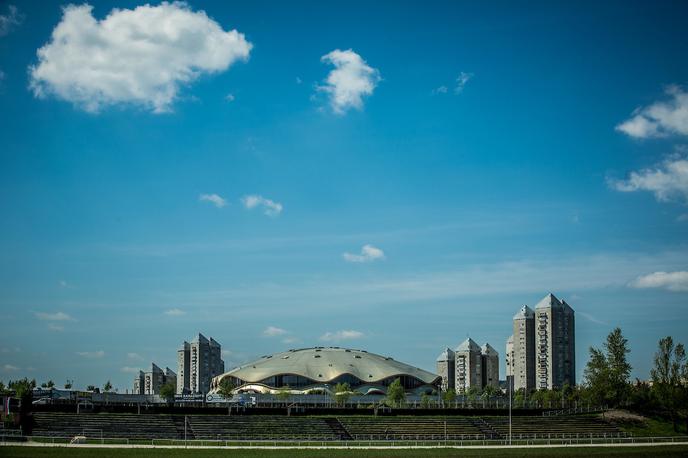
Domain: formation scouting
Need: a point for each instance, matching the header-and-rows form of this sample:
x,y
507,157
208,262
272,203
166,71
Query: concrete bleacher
x,y
374,428
560,426
326,428
260,427
130,426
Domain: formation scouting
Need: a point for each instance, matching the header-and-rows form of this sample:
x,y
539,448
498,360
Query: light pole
x,y
511,388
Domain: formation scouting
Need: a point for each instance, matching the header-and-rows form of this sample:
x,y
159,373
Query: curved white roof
x,y
323,364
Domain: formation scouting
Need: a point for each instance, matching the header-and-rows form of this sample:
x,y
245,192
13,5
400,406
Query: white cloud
x,y
135,356
57,316
683,217
174,312
91,354
351,80
10,368
369,253
341,335
10,20
130,370
673,281
273,331
55,327
661,118
270,207
440,90
668,180
141,56
215,199
230,98
461,81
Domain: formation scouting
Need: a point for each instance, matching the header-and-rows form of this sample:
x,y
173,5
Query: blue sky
x,y
393,177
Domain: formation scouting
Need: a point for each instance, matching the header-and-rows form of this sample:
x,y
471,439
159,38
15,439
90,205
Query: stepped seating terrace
x,y
411,427
560,426
260,427
131,426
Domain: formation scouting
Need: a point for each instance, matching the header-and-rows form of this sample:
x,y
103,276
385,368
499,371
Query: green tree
x,y
396,395
68,385
93,388
22,387
168,391
283,393
425,400
608,372
226,390
669,377
107,387
449,397
342,392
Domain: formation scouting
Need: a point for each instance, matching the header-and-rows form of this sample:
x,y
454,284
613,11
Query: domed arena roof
x,y
309,367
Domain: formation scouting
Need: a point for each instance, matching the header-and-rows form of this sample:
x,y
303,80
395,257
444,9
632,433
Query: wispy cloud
x,y
440,90
269,207
667,181
10,20
461,81
174,312
369,253
350,80
590,318
130,370
230,98
135,356
660,119
91,354
673,281
55,327
291,340
57,316
273,331
10,368
214,199
339,336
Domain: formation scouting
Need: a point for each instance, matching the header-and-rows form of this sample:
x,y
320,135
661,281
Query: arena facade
x,y
319,369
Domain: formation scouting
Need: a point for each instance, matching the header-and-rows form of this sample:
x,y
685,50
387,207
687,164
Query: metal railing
x,y
361,441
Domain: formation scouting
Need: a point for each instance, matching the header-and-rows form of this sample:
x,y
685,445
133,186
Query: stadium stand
x,y
274,427
560,426
410,427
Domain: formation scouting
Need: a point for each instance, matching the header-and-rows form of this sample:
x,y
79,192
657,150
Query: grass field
x,y
564,452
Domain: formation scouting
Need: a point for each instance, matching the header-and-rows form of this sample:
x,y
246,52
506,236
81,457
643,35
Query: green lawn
x,y
652,427
38,452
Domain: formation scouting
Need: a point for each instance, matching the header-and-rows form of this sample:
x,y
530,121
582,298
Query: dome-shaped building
x,y
319,369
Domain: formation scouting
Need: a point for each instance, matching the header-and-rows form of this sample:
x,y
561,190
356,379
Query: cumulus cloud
x,y
10,20
270,207
273,331
461,81
350,80
141,56
57,316
214,199
369,253
341,335
667,181
174,312
661,118
130,370
91,354
673,281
